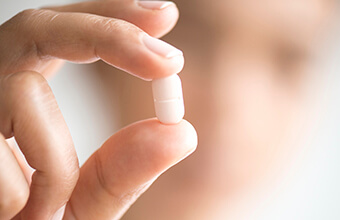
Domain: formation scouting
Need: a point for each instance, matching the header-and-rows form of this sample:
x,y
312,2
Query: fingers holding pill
x,y
121,33
39,36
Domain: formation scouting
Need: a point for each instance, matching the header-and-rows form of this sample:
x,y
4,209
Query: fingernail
x,y
160,47
154,5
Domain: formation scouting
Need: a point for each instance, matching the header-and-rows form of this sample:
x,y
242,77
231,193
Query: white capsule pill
x,y
168,99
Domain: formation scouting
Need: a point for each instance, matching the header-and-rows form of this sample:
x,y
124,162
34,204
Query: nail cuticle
x,y
154,5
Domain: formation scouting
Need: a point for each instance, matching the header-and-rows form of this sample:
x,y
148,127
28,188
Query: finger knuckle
x,y
26,85
25,22
26,90
27,15
111,24
20,31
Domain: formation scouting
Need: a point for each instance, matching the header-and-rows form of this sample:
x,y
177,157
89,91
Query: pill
x,y
168,99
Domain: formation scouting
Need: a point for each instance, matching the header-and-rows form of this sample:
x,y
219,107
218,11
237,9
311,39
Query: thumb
x,y
126,165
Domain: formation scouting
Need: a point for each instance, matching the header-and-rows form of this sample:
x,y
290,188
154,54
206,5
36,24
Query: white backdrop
x,y
312,192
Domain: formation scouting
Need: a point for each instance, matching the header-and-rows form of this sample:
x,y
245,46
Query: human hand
x,y
32,45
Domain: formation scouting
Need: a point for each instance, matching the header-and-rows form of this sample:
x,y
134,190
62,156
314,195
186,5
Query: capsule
x,y
168,99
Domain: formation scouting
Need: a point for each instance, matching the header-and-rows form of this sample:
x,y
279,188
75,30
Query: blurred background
x,y
261,88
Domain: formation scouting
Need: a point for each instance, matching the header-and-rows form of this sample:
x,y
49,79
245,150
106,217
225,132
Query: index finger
x,y
154,17
38,35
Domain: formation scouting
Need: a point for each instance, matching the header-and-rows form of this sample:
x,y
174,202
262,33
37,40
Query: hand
x,y
32,45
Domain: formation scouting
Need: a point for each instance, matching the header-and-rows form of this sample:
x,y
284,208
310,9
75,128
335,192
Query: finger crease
x,y
54,17
36,49
73,213
95,53
100,177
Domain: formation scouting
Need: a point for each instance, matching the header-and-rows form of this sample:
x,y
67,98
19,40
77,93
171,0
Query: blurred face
x,y
248,102
247,65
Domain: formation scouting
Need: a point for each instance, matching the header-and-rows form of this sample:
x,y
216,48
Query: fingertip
x,y
157,146
160,17
177,64
169,17
162,59
169,143
163,67
190,134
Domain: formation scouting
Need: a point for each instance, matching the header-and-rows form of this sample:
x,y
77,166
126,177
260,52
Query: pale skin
x,y
242,84
33,45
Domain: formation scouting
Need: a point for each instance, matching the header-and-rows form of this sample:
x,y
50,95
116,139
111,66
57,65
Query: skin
x,y
243,84
33,45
